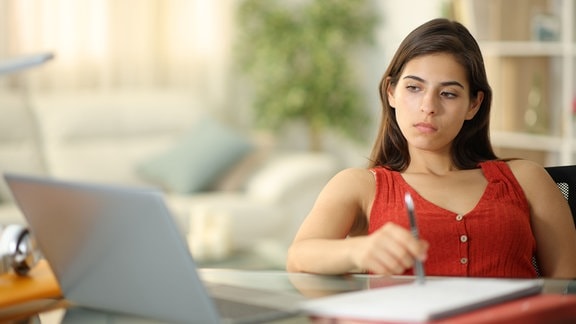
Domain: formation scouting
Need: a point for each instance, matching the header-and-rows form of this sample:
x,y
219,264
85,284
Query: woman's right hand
x,y
391,250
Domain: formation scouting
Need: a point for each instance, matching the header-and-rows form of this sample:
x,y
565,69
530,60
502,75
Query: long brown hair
x,y
472,144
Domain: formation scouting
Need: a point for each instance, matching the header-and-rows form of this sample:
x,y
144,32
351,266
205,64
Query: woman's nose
x,y
428,104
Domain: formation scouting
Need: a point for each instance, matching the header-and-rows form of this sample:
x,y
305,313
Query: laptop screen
x,y
114,248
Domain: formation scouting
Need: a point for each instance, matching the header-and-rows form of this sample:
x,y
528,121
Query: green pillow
x,y
198,159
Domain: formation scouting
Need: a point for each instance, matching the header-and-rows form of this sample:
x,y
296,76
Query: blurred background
x,y
192,46
241,110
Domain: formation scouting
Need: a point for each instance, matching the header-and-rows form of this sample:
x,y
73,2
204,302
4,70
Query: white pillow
x,y
286,170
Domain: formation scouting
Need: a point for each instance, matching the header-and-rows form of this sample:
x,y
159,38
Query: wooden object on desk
x,y
39,284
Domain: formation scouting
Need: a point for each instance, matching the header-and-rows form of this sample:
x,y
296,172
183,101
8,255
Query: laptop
x,y
118,249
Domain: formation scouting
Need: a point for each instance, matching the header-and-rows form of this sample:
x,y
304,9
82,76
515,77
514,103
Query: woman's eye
x,y
447,94
412,88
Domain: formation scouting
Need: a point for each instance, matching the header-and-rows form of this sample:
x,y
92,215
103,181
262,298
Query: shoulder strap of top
x,y
499,171
496,169
381,173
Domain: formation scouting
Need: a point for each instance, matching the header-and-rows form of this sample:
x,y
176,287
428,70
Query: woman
x,y
478,215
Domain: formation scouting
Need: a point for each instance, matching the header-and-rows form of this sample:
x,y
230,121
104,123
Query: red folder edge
x,y
533,309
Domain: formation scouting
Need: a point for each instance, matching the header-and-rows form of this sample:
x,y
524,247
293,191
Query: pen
x,y
418,266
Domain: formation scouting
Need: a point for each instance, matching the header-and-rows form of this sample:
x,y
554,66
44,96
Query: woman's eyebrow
x,y
446,83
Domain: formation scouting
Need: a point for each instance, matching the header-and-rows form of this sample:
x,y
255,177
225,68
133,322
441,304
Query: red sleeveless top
x,y
493,240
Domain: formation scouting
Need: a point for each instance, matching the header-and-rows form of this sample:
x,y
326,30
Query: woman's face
x,y
432,101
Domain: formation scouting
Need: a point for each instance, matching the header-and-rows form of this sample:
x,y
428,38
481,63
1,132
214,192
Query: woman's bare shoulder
x,y
351,180
352,176
531,176
526,169
353,189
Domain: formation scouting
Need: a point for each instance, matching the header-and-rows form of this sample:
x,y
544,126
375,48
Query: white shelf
x,y
510,48
526,141
562,146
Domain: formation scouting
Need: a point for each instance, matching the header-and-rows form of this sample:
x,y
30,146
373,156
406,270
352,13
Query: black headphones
x,y
18,251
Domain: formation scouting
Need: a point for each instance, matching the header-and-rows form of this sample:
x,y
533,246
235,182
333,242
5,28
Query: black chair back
x,y
565,178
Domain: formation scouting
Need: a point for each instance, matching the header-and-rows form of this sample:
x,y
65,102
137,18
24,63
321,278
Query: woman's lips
x,y
425,127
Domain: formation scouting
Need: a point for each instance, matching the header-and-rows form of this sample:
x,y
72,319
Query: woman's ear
x,y
475,104
390,93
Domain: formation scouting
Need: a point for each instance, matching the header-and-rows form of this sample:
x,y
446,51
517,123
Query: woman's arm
x,y
333,240
552,222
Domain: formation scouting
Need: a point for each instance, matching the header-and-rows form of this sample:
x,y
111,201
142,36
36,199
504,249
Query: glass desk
x,y
298,286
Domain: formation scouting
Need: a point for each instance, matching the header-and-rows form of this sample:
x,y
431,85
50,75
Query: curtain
x,y
113,44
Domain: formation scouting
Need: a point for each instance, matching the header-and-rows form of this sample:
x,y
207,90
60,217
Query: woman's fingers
x,y
392,249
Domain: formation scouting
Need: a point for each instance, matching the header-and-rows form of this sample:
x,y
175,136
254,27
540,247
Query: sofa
x,y
231,190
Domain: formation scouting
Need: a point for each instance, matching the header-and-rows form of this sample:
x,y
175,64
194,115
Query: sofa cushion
x,y
198,159
101,136
19,147
236,178
285,171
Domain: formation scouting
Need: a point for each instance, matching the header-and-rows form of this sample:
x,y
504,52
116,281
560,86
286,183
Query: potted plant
x,y
297,56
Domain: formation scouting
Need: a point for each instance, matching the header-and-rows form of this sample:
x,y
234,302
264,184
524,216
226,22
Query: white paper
x,y
413,302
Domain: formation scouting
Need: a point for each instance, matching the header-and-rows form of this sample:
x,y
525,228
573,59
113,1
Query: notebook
x,y
118,249
413,302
